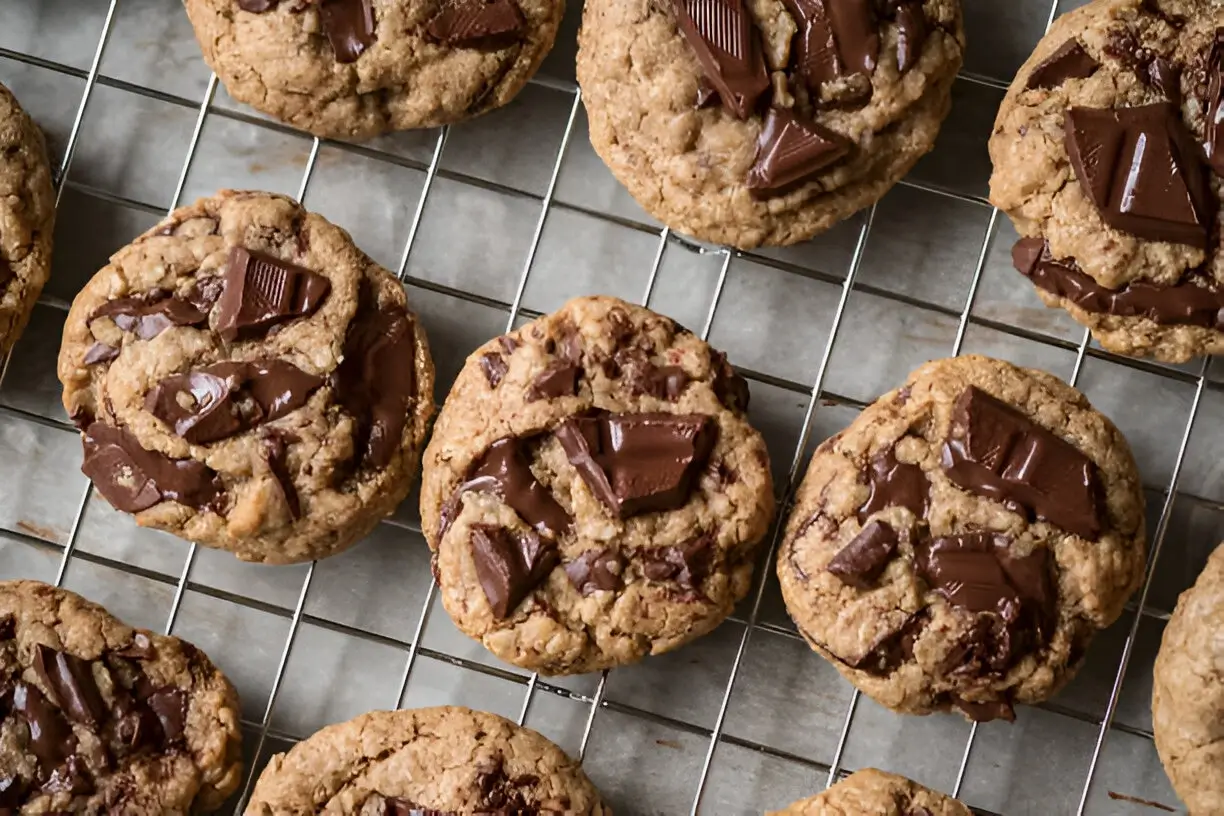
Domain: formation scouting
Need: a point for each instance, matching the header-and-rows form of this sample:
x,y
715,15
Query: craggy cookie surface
x,y
244,377
961,542
443,761
358,68
752,122
27,218
1107,156
97,717
593,492
879,794
1188,693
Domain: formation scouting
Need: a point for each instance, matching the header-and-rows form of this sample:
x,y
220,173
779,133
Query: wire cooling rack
x,y
744,720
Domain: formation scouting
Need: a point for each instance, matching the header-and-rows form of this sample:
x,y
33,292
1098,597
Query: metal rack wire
x,y
815,392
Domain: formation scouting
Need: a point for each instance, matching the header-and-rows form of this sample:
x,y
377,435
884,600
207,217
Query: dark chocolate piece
x,y
730,388
790,150
995,451
8,627
895,484
1213,115
150,314
504,471
12,794
349,26
912,33
1143,171
816,58
51,737
6,273
258,7
686,565
859,563
639,463
276,452
510,565
1166,78
262,291
559,379
169,705
100,353
596,570
894,648
134,479
986,712
71,777
728,46
376,381
485,23
1070,61
70,679
494,367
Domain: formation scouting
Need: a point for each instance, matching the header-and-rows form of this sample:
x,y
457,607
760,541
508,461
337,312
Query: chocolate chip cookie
x,y
960,543
357,68
593,492
246,378
97,717
877,793
1188,693
443,761
750,122
27,218
1107,156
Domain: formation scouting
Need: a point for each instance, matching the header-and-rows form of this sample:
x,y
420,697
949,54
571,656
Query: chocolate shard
x,y
1183,304
895,647
912,33
276,452
686,565
479,23
12,793
134,479
70,679
639,463
859,563
667,382
6,273
1214,115
816,58
262,291
150,314
559,379
1166,78
100,353
995,451
257,7
51,737
858,37
494,367
8,627
169,705
504,471
510,565
1070,61
987,711
895,484
596,570
1143,171
728,47
730,388
71,777
790,151
349,26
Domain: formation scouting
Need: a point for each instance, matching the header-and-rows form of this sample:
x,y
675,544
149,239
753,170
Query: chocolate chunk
x,y
894,648
730,388
169,705
151,314
134,479
1166,78
639,463
912,33
262,291
667,382
349,26
71,777
257,7
100,353
995,451
12,794
487,23
1213,116
687,565
1070,61
707,97
376,381
510,565
986,712
141,648
70,679
6,273
559,379
642,376
51,737
276,452
494,367
8,627
1182,304
596,570
790,150
859,563
504,471
1143,171
858,40
964,569
895,484
816,58
728,47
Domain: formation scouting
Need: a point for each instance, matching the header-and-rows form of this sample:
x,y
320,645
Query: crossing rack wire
x,y
748,718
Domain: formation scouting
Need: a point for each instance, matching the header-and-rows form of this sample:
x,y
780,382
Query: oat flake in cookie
x,y
358,68
750,122
593,492
27,218
958,546
446,761
1108,157
877,793
246,378
97,717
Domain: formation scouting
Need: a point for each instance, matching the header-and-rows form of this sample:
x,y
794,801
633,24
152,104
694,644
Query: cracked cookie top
x,y
961,542
878,793
358,68
593,492
244,377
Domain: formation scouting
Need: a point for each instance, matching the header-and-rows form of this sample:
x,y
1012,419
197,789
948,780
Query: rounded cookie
x,y
1188,693
96,716
27,218
878,793
1098,154
958,545
445,760
246,378
593,492
750,122
358,68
